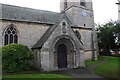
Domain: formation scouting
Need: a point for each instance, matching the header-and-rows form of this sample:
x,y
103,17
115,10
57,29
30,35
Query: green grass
x,y
36,76
89,63
109,69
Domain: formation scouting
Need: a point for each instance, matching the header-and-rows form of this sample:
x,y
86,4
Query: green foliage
x,y
109,69
16,57
40,76
116,32
0,53
89,63
108,36
0,63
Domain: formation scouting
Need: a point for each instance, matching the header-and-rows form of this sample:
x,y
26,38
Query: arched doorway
x,y
62,56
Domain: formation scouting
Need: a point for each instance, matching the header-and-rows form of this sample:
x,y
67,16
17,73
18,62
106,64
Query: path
x,y
81,73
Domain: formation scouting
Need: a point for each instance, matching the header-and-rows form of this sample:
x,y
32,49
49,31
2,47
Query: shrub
x,y
105,53
16,57
116,55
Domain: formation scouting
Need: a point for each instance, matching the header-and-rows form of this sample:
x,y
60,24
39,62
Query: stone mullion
x,y
13,38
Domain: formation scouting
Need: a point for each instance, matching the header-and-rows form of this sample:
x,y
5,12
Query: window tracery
x,y
10,35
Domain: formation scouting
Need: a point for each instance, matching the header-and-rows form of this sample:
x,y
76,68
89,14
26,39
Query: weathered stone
x,y
28,33
45,37
69,39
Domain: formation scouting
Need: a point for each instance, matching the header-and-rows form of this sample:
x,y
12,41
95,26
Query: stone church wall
x,y
87,42
81,20
88,55
28,33
36,62
47,49
77,18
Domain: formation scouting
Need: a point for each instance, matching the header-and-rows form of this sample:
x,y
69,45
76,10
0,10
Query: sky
x,y
104,10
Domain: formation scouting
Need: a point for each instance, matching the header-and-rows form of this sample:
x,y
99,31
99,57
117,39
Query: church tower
x,y
80,12
81,15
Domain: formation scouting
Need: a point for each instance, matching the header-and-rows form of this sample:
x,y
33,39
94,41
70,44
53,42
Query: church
x,y
59,40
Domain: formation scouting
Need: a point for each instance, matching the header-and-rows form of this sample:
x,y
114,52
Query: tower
x,y
80,12
81,15
118,10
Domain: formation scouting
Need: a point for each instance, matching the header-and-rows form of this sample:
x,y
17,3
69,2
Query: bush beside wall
x,y
16,57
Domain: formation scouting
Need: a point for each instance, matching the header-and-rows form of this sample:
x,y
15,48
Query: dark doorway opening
x,y
62,56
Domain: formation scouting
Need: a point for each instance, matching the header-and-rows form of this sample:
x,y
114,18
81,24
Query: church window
x,y
10,35
11,38
84,25
65,4
78,34
64,24
82,3
6,39
64,27
15,39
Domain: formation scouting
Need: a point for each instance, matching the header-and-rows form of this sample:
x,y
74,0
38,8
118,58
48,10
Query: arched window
x,y
10,35
65,4
63,24
63,27
82,3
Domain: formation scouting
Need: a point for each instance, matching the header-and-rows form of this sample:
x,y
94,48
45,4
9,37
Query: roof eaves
x,y
29,21
75,26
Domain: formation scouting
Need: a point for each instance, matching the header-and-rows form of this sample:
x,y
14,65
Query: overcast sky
x,y
104,10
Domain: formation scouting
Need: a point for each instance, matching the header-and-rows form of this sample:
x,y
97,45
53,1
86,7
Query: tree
x,y
116,31
108,36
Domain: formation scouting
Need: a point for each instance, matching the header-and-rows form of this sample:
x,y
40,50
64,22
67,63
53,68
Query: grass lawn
x,y
20,76
89,63
109,69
